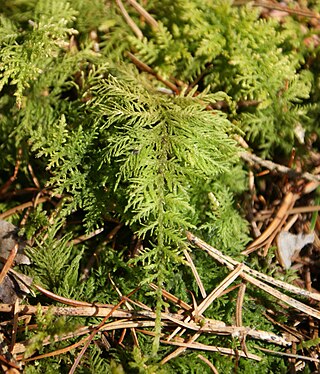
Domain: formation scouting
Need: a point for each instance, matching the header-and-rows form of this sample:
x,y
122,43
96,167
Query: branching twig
x,y
202,307
94,332
231,264
249,157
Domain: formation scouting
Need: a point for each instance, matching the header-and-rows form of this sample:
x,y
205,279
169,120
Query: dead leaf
x,y
290,245
11,287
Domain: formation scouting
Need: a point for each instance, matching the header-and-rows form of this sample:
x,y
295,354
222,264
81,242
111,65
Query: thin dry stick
x,y
128,320
239,331
294,335
304,209
147,16
85,237
210,364
33,176
139,304
240,298
226,260
195,273
230,289
281,296
94,332
249,157
269,234
209,299
172,298
231,265
129,20
91,336
288,354
14,324
79,311
58,351
102,311
9,262
123,334
309,187
61,299
204,347
204,305
9,364
6,186
22,346
16,209
25,191
290,222
276,6
141,65
118,325
93,258
219,289
133,332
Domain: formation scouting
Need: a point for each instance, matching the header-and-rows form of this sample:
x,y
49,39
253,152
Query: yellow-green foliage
x,y
106,138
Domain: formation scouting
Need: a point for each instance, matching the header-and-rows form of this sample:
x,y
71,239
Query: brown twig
x,y
147,16
93,258
273,5
9,262
200,77
132,320
14,324
130,308
9,364
195,274
172,298
142,66
83,238
33,176
211,348
266,238
18,208
202,307
96,329
129,20
231,264
25,191
304,209
58,351
288,355
251,158
239,305
7,185
61,299
210,364
93,333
